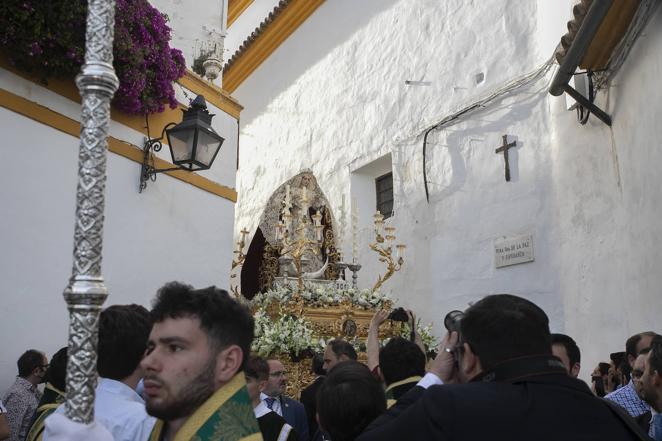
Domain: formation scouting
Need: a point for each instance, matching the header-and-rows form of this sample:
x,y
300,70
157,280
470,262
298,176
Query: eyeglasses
x,y
44,366
277,374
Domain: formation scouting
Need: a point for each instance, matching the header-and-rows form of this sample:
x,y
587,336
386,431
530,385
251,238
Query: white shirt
x,y
60,428
276,406
261,409
120,410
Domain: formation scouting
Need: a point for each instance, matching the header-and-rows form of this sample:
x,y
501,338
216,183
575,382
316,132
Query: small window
x,y
384,189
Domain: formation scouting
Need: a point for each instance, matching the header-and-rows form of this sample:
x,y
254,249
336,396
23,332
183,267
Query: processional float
x,y
305,306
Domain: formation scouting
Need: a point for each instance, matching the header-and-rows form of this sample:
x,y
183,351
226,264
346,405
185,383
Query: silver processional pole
x,y
86,291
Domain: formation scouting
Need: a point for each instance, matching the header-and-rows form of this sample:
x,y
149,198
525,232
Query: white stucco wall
x,y
172,231
333,98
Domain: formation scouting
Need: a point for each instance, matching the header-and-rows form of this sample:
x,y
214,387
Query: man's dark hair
x,y
632,342
257,367
625,369
29,361
502,326
400,359
617,358
348,400
570,346
603,368
655,357
123,334
342,347
57,369
317,364
225,320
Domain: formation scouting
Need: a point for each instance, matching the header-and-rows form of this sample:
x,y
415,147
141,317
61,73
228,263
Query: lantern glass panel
x,y
208,145
181,144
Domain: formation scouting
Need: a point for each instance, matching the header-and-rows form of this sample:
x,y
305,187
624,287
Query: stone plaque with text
x,y
513,250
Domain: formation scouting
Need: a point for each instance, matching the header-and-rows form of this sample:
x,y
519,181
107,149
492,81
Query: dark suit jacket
x,y
644,421
309,401
271,424
295,415
545,407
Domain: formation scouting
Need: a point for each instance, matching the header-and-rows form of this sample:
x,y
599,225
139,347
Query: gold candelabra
x,y
238,261
295,243
383,246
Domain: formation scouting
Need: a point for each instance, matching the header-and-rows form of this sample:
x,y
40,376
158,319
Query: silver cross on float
x,y
504,148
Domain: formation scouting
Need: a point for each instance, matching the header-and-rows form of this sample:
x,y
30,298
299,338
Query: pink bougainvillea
x,y
47,38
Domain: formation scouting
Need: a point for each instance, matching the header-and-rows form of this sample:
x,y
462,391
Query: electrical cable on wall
x,y
456,117
643,15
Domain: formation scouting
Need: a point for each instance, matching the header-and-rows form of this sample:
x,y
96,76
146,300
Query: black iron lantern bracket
x,y
148,171
194,144
589,28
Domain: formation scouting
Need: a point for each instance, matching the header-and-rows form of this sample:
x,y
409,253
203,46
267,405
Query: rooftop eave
x,y
281,22
236,8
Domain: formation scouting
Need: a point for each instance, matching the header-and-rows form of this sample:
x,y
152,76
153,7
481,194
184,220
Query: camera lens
x,y
452,320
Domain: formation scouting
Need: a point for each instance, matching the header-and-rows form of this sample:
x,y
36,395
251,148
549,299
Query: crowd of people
x,y
184,371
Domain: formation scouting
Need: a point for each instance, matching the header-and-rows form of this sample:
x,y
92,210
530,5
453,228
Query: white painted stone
x,y
171,231
333,97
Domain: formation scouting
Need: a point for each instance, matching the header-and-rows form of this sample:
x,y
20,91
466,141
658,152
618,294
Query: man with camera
x,y
497,379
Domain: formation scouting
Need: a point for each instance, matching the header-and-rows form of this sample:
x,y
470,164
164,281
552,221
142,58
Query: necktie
x,y
657,427
270,402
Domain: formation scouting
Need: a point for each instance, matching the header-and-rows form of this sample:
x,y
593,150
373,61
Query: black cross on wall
x,y
504,148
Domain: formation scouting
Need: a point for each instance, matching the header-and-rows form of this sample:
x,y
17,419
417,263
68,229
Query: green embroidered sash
x,y
225,416
390,390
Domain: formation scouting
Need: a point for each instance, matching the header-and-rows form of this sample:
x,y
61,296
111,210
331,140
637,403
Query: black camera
x,y
399,315
452,321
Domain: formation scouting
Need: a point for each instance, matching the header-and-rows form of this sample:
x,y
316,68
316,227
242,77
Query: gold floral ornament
x,y
383,246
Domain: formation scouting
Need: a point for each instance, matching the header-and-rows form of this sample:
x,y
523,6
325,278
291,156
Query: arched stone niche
x,y
262,256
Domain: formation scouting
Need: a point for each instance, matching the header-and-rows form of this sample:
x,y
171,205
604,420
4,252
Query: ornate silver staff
x,y
86,291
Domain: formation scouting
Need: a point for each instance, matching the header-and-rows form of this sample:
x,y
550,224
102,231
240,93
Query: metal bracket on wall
x,y
588,105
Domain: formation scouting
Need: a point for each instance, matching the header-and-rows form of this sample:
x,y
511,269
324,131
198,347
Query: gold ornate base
x,y
344,320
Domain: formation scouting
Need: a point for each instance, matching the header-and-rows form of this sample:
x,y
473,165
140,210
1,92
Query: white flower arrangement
x,y
323,295
286,334
429,340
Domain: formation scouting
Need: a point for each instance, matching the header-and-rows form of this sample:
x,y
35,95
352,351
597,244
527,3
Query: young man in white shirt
x,y
123,334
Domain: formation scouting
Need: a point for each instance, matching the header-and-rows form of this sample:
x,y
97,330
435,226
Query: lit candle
x,y
379,223
288,200
340,241
390,235
400,251
287,218
355,228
